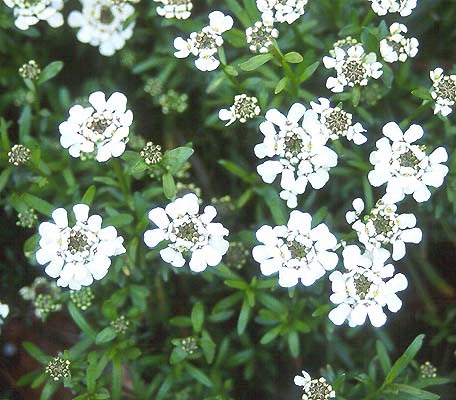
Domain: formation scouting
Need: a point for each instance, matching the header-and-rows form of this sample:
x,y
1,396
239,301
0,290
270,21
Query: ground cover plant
x,y
227,200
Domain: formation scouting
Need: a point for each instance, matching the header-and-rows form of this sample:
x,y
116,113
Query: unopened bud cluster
x,y
120,325
27,218
58,369
18,155
172,101
151,153
30,70
83,298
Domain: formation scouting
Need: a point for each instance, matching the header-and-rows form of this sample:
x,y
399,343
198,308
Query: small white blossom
x,y
282,10
102,23
403,7
243,109
188,231
364,288
30,12
179,9
296,251
383,226
396,47
261,35
352,66
405,167
443,91
298,151
204,44
314,389
101,130
78,254
337,122
4,311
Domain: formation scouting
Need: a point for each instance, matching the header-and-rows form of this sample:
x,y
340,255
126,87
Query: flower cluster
x,y
58,368
443,91
365,287
260,36
405,167
100,130
383,226
243,109
179,9
103,24
19,155
172,101
337,123
204,44
298,149
30,70
396,47
79,254
314,389
188,231
30,12
281,10
353,66
403,7
297,251
151,153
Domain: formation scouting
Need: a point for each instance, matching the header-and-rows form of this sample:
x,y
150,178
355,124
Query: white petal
x,y
376,316
339,314
413,133
153,237
81,212
98,101
172,257
60,217
393,131
412,235
398,250
158,217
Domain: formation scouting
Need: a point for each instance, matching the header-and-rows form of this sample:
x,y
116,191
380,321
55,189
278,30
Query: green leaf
x,y
208,346
197,317
369,40
308,71
239,12
91,377
199,375
174,159
270,335
169,186
31,244
416,393
255,62
177,355
106,335
36,352
275,203
49,389
80,321
119,220
116,378
38,204
244,316
383,357
235,169
293,343
356,95
25,123
293,57
89,195
30,377
50,71
422,94
231,70
405,359
281,85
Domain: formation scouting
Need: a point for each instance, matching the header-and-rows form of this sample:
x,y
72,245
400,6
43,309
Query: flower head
x,y
83,298
297,145
337,123
30,70
179,9
120,325
100,130
188,232
27,218
19,155
396,47
151,153
384,226
403,7
204,44
103,24
30,12
261,35
243,109
78,254
58,368
353,67
443,91
428,371
404,166
296,251
365,287
282,10
314,389
172,101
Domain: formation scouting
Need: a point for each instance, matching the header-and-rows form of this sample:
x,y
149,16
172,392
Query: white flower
x,y
314,389
364,289
261,35
79,254
179,9
282,10
443,91
383,226
103,24
298,149
4,311
396,47
404,166
101,130
188,231
243,109
403,7
204,44
336,122
353,67
297,251
30,12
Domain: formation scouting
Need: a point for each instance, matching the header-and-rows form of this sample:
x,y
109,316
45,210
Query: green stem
x,y
123,183
406,122
368,18
116,378
278,55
